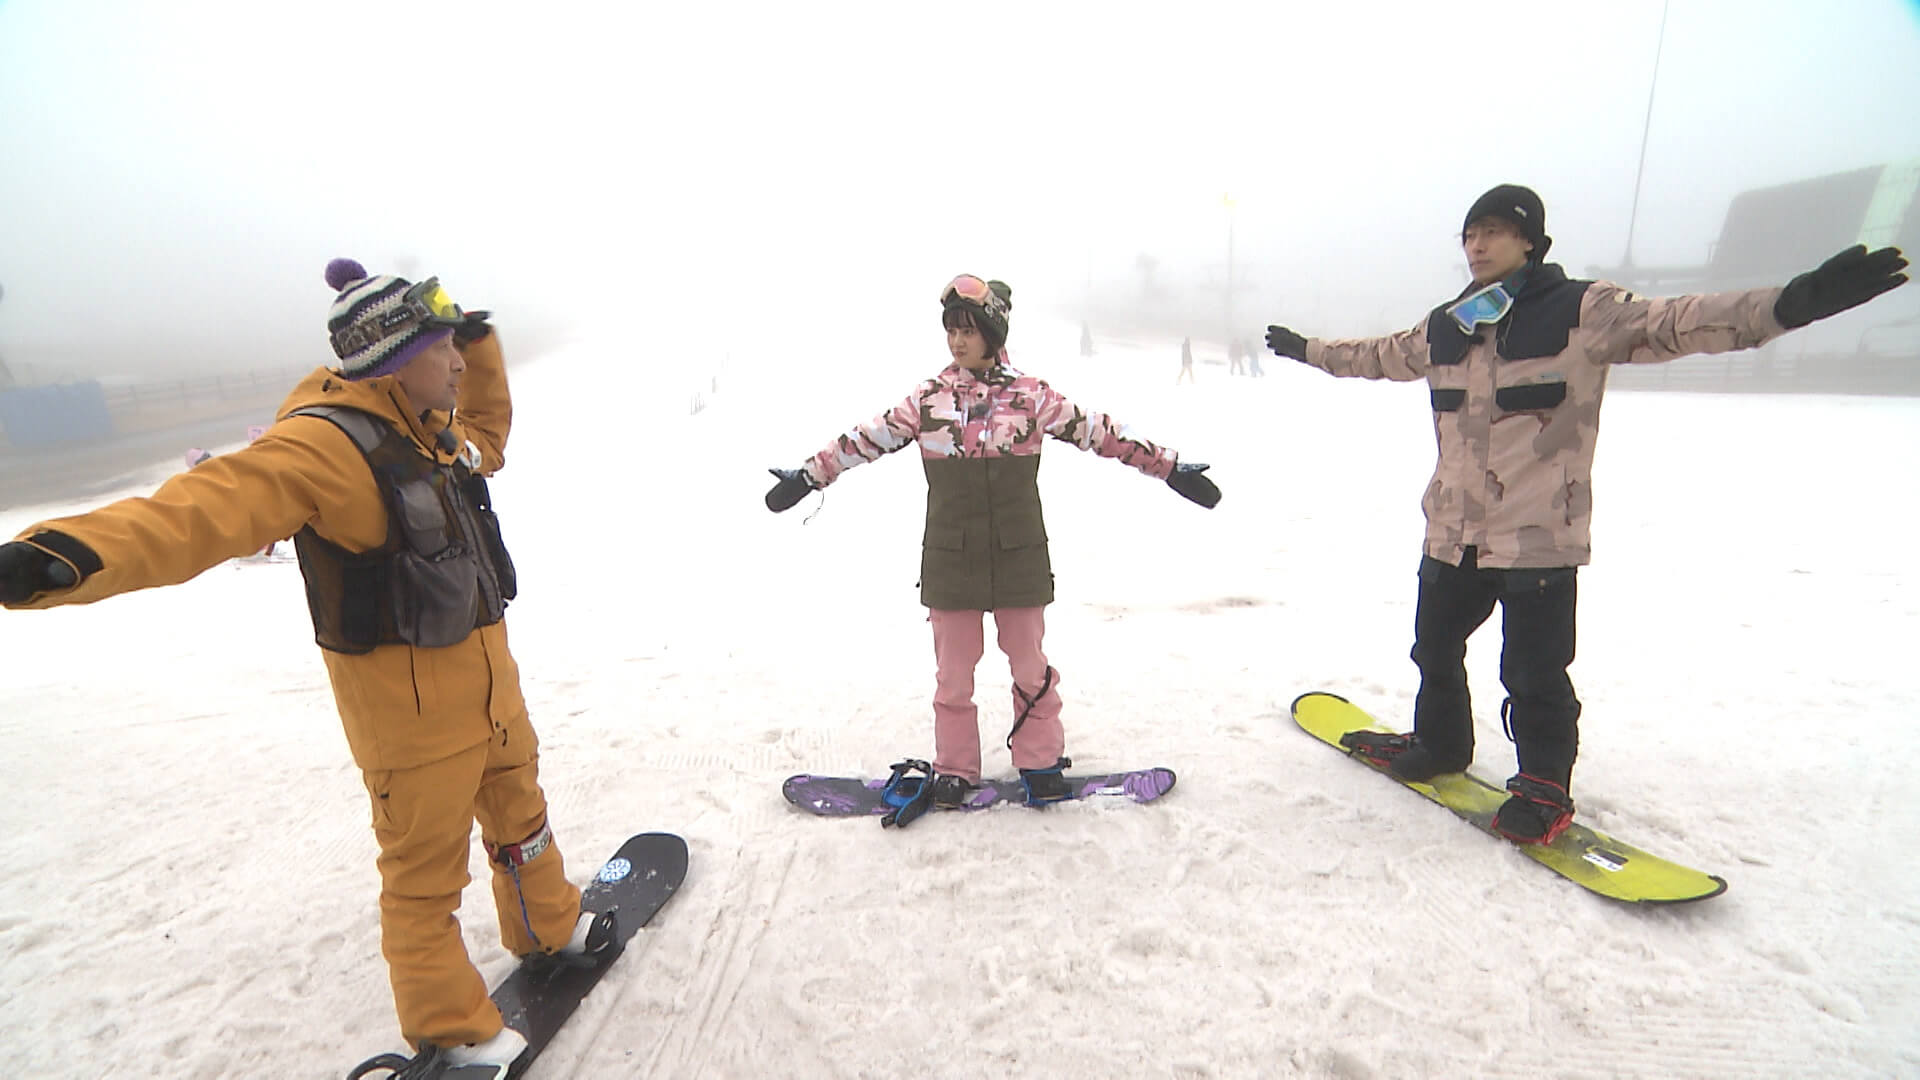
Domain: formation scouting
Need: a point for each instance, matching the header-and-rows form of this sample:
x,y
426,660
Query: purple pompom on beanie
x,y
343,272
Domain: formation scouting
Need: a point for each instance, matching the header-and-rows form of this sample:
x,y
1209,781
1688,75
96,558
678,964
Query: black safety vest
x,y
442,571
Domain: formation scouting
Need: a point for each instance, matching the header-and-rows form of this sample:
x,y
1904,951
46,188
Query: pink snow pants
x,y
958,644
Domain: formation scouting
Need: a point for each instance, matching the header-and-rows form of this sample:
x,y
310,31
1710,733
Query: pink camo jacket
x,y
996,413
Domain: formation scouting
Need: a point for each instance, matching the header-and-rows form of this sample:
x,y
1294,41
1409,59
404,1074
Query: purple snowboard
x,y
851,796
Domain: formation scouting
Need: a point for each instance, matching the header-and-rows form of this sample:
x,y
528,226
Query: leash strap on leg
x,y
1046,684
514,856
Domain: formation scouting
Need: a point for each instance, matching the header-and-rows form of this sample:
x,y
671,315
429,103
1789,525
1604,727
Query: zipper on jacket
x,y
986,479
1483,461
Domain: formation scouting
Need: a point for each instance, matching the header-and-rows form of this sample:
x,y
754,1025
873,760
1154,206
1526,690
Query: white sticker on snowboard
x,y
1605,860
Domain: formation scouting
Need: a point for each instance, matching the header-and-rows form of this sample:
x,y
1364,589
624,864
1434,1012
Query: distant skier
x,y
1186,362
1086,340
979,425
408,610
1516,366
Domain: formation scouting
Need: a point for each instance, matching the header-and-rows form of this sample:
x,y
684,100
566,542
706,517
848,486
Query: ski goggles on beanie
x,y
973,290
424,304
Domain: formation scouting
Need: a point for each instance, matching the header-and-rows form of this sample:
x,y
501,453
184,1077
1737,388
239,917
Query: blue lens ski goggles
x,y
1488,305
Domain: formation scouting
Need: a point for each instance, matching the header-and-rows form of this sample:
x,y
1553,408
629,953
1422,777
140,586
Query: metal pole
x,y
1646,126
1228,199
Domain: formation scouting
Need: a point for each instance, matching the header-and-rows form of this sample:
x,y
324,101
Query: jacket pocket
x,y
1447,400
435,600
944,539
497,554
1020,535
423,519
1530,397
379,788
1537,581
481,501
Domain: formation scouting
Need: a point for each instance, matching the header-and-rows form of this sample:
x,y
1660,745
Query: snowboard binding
x,y
1049,785
1403,756
603,945
428,1064
1377,748
908,794
1536,812
394,1065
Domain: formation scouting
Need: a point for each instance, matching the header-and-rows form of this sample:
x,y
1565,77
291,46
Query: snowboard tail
x,y
1587,857
539,995
853,796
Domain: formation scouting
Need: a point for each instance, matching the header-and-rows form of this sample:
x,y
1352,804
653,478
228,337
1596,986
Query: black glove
x,y
1285,342
1188,481
793,487
26,570
1849,279
472,328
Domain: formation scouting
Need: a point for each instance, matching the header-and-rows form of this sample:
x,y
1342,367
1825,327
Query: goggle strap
x,y
416,307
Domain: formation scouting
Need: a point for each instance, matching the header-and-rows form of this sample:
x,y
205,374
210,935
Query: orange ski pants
x,y
423,819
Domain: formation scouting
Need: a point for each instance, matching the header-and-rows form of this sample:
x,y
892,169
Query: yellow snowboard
x,y
1581,855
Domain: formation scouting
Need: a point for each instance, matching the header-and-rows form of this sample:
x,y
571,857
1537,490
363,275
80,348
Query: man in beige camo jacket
x,y
1516,367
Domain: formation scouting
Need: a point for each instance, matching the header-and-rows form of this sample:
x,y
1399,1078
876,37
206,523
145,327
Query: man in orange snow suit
x,y
377,468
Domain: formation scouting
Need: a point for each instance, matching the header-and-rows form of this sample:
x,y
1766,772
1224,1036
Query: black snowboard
x,y
536,999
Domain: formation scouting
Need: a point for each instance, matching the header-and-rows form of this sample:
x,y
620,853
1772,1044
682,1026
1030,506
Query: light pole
x,y
1226,200
1646,126
6,377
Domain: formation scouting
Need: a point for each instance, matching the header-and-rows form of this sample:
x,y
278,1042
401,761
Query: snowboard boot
x,y
1536,812
951,792
1405,756
488,1060
1047,785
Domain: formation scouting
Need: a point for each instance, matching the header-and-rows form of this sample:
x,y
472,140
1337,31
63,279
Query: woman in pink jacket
x,y
979,425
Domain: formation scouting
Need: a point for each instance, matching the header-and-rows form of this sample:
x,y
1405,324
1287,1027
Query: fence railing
x,y
1877,372
168,394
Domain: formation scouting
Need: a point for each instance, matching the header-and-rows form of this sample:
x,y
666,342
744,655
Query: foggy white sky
x,y
185,169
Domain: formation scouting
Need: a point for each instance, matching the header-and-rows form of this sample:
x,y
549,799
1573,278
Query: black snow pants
x,y
1541,713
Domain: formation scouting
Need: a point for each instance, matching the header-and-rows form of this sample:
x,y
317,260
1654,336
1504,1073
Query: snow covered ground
x,y
190,890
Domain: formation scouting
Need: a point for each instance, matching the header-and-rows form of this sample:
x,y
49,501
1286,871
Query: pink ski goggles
x,y
974,291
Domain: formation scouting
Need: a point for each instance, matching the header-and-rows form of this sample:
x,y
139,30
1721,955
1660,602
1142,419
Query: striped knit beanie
x,y
379,349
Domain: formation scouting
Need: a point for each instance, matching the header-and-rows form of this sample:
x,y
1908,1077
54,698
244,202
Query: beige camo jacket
x,y
1516,437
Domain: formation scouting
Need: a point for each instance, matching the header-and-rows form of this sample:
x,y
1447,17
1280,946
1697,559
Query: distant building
x,y
1769,235
1773,233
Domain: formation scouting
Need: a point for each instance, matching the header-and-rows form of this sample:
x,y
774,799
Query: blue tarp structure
x,y
35,416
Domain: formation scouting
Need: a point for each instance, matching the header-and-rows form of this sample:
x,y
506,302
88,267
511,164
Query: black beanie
x,y
1518,206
